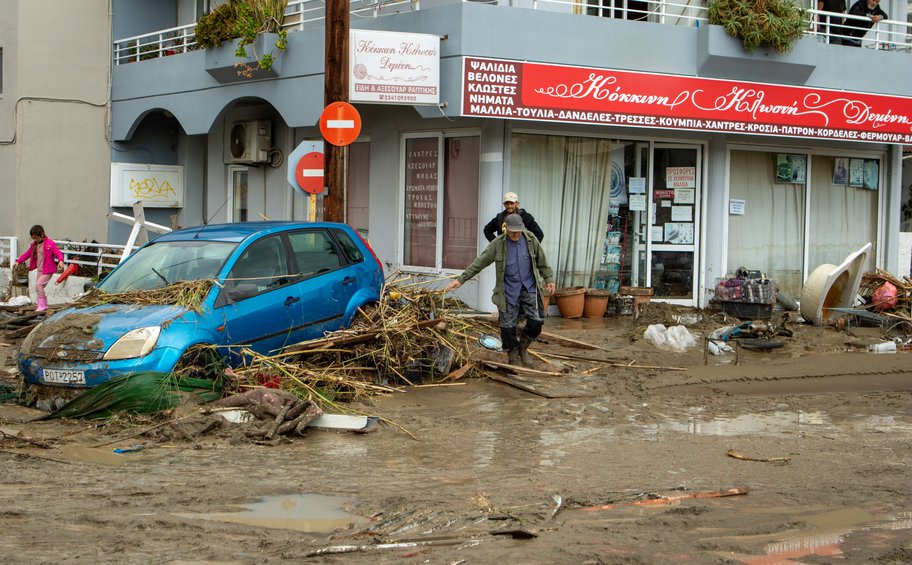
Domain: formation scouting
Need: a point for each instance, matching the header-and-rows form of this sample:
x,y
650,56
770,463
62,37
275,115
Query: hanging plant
x,y
244,19
761,23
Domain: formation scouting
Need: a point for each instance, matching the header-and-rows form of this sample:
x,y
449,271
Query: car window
x,y
160,264
314,252
263,265
352,253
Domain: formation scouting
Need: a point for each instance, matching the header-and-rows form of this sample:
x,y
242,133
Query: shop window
x,y
767,233
441,207
1,71
843,195
357,188
577,189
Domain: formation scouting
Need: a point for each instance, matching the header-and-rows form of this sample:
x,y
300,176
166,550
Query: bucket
x,y
571,301
596,303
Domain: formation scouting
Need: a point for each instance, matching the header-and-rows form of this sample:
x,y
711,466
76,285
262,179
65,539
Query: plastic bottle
x,y
883,347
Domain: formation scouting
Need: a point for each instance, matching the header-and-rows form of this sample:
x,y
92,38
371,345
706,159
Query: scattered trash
x,y
883,347
131,449
675,338
17,301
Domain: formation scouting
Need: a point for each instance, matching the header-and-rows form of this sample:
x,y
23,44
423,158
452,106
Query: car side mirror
x,y
242,291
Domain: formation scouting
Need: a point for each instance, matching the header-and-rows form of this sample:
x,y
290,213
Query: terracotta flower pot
x,y
571,301
596,303
546,301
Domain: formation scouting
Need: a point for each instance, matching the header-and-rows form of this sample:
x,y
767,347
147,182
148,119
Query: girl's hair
x,y
37,231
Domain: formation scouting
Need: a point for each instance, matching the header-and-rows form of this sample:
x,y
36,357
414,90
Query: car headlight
x,y
26,347
135,343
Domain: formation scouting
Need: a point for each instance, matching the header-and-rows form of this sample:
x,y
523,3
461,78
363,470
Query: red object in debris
x,y
269,381
884,297
70,270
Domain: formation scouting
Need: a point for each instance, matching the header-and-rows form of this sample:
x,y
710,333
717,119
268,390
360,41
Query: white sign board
x,y
680,177
394,68
156,186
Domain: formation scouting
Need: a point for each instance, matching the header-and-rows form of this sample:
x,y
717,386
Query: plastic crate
x,y
747,310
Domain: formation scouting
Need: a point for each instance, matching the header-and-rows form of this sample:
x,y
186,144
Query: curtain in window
x,y
357,190
769,236
565,183
843,218
460,208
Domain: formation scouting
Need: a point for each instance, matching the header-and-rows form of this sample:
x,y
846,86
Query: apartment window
x,y
441,201
202,8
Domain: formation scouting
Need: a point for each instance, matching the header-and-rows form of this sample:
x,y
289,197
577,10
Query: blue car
x,y
278,283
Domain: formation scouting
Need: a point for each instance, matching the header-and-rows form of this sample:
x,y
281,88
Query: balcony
x,y
892,35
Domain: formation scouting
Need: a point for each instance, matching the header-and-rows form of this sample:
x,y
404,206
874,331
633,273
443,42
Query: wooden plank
x,y
460,372
520,369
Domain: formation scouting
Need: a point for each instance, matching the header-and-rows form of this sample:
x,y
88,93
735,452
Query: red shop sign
x,y
558,93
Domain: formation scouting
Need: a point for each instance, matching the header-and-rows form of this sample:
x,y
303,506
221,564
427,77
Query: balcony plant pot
x,y
546,301
571,301
596,303
226,67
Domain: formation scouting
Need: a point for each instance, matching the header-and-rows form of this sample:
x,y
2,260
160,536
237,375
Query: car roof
x,y
239,231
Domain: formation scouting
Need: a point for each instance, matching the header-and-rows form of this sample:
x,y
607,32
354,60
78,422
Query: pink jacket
x,y
52,256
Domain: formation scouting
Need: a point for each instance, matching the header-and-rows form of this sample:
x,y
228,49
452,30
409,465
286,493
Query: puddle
x,y
312,513
832,530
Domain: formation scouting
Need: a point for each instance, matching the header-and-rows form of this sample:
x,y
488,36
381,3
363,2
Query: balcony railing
x,y
886,34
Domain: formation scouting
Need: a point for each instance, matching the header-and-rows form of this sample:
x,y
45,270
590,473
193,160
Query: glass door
x,y
674,227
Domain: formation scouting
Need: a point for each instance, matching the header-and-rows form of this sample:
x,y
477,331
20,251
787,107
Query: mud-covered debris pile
x,y
184,294
407,338
888,294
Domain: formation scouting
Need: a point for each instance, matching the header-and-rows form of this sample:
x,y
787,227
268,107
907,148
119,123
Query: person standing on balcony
x,y
831,26
522,273
511,206
856,29
41,255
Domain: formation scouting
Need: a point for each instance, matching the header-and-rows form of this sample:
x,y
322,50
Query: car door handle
x,y
348,280
291,300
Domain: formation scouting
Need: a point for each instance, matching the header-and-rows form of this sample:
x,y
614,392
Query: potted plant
x,y
761,23
254,23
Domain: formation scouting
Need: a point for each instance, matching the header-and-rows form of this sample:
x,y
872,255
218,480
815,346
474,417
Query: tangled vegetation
x,y
761,23
244,20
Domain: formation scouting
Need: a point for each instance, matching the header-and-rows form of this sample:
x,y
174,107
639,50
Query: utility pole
x,y
335,72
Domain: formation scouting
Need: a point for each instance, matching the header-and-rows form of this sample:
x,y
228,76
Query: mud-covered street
x,y
627,465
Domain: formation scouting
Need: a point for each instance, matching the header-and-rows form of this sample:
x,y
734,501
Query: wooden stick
x,y
736,455
434,385
569,342
519,369
460,372
582,358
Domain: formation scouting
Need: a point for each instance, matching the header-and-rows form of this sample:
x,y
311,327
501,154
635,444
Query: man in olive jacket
x,y
522,273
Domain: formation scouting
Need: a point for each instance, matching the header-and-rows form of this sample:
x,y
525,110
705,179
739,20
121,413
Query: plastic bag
x,y
884,298
675,338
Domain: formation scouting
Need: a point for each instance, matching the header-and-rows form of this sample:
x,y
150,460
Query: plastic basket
x,y
747,310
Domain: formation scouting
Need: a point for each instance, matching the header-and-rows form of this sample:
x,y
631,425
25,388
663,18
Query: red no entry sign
x,y
340,123
309,173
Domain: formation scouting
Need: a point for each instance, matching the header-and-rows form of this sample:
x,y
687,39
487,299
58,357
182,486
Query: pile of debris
x,y
888,295
408,338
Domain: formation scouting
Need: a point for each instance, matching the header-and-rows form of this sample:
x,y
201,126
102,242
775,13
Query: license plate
x,y
59,376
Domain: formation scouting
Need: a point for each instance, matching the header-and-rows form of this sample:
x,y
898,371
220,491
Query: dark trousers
x,y
530,306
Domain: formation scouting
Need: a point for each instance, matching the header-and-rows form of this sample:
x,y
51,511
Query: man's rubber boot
x,y
513,357
524,356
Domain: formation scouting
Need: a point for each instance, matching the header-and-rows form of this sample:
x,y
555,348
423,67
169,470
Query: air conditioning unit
x,y
250,141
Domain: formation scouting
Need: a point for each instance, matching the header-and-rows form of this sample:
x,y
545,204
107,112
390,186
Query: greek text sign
x,y
558,93
394,68
156,186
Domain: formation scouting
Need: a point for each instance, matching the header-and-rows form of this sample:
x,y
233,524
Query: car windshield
x,y
160,264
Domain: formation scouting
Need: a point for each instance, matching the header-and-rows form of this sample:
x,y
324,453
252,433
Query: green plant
x,y
760,23
244,19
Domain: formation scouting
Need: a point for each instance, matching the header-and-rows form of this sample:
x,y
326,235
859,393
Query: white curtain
x,y
843,218
769,236
565,183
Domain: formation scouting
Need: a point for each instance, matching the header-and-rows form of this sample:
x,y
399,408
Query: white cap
x,y
511,197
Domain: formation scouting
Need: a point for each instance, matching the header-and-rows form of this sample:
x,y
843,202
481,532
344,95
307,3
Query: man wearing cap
x,y
511,206
522,274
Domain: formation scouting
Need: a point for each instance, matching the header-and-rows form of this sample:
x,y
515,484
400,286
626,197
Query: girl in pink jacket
x,y
43,251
